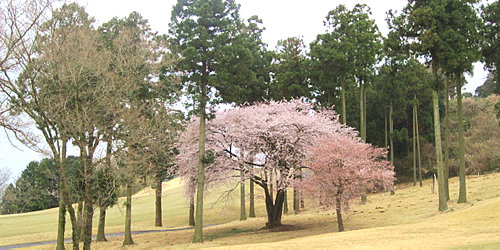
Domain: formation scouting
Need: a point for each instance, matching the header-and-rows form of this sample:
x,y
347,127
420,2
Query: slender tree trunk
x,y
414,143
198,227
299,193
418,146
252,200
462,195
391,141
81,220
338,207
64,195
271,186
128,217
75,227
386,143
88,208
191,211
102,222
361,111
342,96
295,201
364,112
447,138
391,130
158,190
61,223
439,150
285,203
243,213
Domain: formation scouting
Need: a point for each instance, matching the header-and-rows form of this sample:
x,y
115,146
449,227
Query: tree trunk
x,y
462,195
296,200
80,219
252,200
338,207
391,141
200,185
102,222
64,195
128,217
439,150
414,143
285,203
271,186
418,147
386,141
364,112
191,211
88,208
342,96
299,193
361,111
447,138
158,190
243,213
391,130
74,223
61,224
274,210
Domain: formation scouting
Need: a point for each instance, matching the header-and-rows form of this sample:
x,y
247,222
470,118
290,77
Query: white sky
x,y
282,19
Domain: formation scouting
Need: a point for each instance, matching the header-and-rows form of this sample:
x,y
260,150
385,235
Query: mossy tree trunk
x,y
443,205
447,138
418,146
462,195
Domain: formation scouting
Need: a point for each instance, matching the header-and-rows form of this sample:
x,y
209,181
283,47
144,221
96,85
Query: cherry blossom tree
x,y
266,143
342,168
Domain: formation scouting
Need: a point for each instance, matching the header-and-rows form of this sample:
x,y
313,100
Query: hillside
x,y
408,219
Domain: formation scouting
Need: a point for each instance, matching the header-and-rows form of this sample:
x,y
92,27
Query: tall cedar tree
x,y
199,31
359,31
420,25
462,39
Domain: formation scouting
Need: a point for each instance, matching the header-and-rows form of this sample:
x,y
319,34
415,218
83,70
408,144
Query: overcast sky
x,y
282,19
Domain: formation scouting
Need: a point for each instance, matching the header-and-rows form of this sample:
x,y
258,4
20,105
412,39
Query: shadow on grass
x,y
227,233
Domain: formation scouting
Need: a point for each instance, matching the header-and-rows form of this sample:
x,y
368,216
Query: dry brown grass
x,y
408,219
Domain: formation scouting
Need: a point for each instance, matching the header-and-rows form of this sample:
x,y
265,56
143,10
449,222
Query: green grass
x,y
42,225
408,219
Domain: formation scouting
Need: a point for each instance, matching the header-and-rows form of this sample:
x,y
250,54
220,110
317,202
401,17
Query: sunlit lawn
x,y
408,219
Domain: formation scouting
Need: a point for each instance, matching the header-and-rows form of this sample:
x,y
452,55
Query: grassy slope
x,y
42,225
408,219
